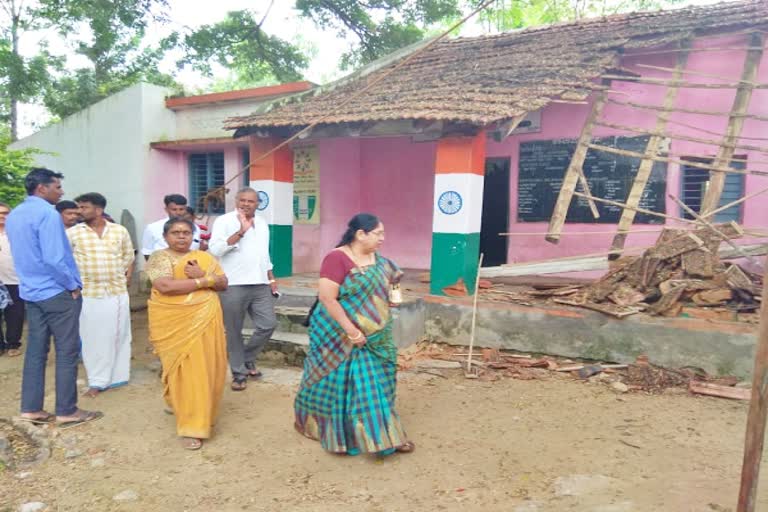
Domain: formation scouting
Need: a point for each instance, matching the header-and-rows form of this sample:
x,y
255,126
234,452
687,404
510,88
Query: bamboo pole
x,y
674,50
746,147
474,314
689,163
712,132
685,110
739,201
637,209
651,150
735,125
575,171
689,72
714,229
678,83
747,231
758,411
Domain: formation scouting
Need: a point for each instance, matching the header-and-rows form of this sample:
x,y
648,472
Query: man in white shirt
x,y
153,240
13,315
240,240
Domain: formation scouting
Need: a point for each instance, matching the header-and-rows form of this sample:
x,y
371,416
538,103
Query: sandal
x,y
253,373
408,447
239,383
191,443
43,419
82,416
13,352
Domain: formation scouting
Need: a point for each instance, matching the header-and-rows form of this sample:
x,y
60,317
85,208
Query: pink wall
x,y
389,177
565,121
394,178
397,185
168,173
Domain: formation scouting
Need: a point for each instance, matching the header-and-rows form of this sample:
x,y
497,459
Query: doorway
x,y
495,217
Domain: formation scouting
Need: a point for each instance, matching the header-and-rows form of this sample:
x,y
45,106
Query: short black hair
x,y
39,176
65,205
175,199
94,198
191,211
177,220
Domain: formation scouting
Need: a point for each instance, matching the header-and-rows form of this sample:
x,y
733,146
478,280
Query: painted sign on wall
x,y
306,185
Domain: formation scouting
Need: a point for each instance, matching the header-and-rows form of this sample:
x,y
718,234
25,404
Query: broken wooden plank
x,y
712,297
571,264
555,292
676,247
714,229
698,263
667,301
651,150
574,171
625,295
736,278
735,124
609,309
709,389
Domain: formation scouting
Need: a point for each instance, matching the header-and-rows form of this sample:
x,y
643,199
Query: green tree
x,y
503,15
240,44
379,26
110,35
14,165
22,79
255,57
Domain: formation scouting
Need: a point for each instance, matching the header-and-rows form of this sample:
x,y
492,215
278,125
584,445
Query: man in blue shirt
x,y
50,284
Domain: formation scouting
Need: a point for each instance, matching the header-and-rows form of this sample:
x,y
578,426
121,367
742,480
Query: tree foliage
x,y
240,44
504,15
14,165
379,26
110,35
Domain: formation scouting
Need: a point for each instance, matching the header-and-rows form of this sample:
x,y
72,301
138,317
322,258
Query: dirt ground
x,y
509,445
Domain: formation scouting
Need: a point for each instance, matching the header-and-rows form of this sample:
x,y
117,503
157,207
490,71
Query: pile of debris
x,y
680,275
490,365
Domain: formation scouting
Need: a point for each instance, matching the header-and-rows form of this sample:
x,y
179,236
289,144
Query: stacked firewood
x,y
680,274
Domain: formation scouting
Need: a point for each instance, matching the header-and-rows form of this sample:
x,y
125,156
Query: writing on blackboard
x,y
542,166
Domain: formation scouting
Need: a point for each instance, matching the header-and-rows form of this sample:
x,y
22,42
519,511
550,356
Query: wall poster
x,y
306,185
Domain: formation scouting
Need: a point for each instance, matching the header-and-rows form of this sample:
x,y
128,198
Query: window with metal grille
x,y
206,171
694,188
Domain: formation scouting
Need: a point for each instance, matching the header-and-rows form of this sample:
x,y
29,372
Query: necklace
x,y
357,260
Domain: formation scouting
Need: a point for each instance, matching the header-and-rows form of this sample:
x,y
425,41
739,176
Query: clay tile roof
x,y
481,80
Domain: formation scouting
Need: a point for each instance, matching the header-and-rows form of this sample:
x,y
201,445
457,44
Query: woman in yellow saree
x,y
186,328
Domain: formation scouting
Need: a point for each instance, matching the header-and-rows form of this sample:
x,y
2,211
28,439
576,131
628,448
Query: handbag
x,y
305,323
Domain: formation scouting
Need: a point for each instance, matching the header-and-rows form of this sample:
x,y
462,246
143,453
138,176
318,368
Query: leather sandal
x,y
239,384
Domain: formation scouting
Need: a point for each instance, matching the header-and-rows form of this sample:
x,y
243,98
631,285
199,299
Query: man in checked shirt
x,y
104,255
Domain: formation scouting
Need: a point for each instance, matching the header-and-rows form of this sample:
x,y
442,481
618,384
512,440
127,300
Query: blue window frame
x,y
206,171
694,187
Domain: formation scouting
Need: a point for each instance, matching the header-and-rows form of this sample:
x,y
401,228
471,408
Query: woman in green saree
x,y
347,395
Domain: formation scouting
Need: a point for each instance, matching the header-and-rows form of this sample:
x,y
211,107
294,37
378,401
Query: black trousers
x,y
12,320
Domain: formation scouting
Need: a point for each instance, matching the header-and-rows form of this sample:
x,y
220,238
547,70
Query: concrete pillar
x,y
272,177
457,212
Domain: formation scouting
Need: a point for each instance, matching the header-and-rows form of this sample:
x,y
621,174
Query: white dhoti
x,y
105,330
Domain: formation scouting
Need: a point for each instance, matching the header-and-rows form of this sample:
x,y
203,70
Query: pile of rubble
x,y
490,365
680,275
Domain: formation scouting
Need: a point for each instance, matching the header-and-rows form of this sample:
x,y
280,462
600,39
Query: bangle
x,y
211,281
198,285
359,335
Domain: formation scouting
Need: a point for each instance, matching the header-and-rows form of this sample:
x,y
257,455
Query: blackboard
x,y
542,165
